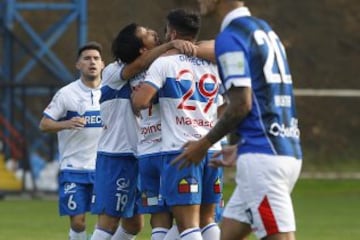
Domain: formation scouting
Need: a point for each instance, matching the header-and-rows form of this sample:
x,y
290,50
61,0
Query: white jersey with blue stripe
x,y
188,95
250,54
150,130
77,148
120,134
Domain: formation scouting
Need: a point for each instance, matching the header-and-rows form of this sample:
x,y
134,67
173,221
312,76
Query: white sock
x,y
191,234
173,234
121,234
99,234
77,235
159,233
211,232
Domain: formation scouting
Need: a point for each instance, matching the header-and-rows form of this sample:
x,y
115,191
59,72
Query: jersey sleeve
x,y
111,75
232,61
155,75
56,108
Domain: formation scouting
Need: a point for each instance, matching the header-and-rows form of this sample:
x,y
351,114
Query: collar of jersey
x,y
238,12
86,88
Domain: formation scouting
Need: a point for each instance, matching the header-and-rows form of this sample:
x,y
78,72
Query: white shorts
x,y
262,195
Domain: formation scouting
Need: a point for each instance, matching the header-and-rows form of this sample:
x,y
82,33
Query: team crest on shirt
x,y
217,186
188,185
149,199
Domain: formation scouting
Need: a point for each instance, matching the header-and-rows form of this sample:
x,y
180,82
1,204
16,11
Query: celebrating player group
x,y
151,132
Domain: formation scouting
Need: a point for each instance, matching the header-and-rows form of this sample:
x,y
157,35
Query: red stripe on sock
x,y
267,217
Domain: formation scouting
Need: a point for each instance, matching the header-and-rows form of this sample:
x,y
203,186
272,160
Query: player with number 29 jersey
x,y
188,96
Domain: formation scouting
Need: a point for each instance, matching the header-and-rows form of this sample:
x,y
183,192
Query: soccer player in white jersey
x,y
115,191
253,67
74,114
187,89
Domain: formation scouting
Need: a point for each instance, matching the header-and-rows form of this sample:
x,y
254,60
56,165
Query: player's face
x,y
149,37
90,64
207,6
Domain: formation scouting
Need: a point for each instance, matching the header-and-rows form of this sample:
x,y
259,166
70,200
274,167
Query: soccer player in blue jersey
x,y
74,114
188,97
261,110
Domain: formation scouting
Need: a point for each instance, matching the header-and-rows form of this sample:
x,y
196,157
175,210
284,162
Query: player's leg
x,y
212,182
182,192
74,201
209,228
188,221
150,168
114,193
77,227
232,229
160,223
129,228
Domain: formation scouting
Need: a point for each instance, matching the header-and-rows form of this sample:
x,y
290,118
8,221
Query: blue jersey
x,y
250,54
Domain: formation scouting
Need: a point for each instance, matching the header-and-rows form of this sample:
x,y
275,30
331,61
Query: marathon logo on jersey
x,y
150,129
280,130
148,199
189,185
194,122
217,186
69,188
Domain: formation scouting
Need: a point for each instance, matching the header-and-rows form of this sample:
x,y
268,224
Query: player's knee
x,y
133,225
78,224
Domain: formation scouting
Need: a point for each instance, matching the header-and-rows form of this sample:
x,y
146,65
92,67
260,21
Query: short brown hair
x,y
90,46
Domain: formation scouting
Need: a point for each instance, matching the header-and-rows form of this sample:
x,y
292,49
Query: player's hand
x,y
193,153
75,123
185,47
229,156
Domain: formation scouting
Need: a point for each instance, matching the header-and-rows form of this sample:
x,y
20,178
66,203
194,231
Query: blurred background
x,y
39,40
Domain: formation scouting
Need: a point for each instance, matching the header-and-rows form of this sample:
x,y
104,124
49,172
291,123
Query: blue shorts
x,y
116,186
150,169
192,185
75,192
219,210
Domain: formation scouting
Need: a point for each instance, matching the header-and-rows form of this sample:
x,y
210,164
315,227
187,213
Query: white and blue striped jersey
x,y
250,54
150,130
120,132
188,97
77,148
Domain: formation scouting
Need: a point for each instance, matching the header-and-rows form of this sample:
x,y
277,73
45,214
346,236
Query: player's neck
x,y
94,83
225,7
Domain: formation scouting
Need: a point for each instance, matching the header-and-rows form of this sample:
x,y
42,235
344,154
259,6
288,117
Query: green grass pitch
x,y
325,210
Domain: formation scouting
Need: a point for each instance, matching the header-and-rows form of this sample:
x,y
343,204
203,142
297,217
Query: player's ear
x,y
77,65
142,50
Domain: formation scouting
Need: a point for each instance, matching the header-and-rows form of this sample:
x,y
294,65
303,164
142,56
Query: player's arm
x,y
51,126
238,108
142,96
145,59
206,50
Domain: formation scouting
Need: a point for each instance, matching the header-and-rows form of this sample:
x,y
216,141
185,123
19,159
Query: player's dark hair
x,y
185,22
89,46
126,46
